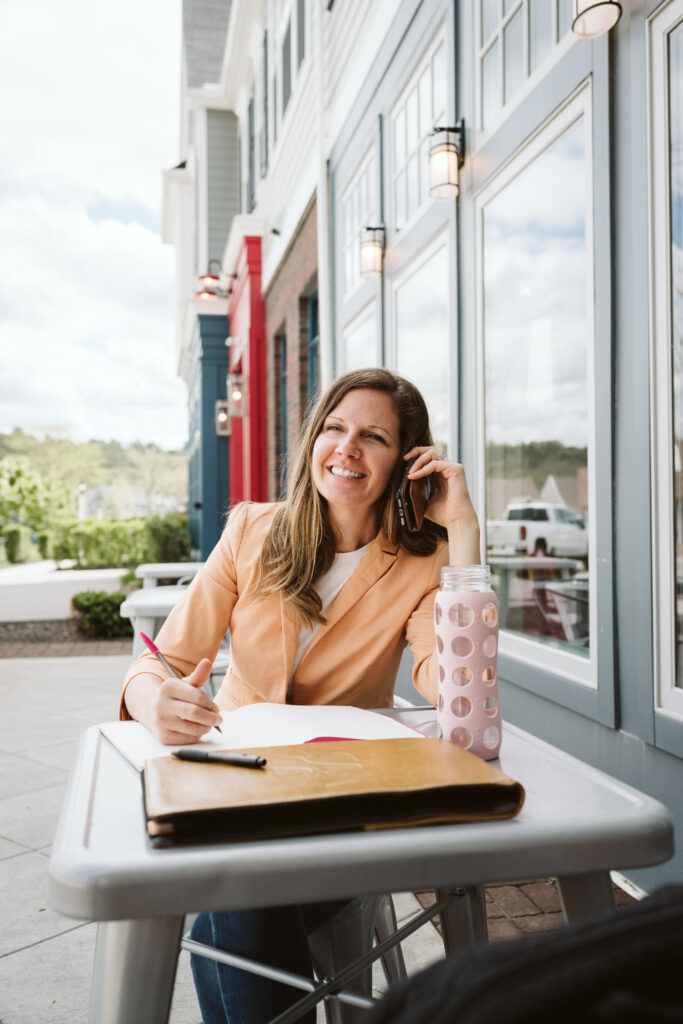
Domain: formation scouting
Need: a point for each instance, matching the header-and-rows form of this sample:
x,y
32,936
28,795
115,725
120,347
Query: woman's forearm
x,y
141,696
463,542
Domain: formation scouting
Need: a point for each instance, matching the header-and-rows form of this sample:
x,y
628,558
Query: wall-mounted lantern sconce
x,y
209,283
593,18
222,418
236,394
446,156
371,251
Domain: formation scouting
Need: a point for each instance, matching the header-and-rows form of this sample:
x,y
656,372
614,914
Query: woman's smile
x,y
356,451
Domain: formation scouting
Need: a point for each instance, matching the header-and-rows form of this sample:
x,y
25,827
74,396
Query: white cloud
x,y
87,305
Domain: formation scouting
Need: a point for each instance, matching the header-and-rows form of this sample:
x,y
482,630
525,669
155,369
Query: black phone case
x,y
412,498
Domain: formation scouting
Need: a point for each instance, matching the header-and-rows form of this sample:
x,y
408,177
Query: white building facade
x,y
539,312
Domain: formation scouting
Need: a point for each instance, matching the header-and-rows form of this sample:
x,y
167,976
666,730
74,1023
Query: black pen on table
x,y
220,757
151,646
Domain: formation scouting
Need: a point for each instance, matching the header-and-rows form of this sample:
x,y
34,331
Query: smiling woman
x,y
321,593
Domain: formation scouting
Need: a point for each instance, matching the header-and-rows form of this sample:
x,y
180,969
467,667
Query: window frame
x,y
559,675
667,697
558,50
438,39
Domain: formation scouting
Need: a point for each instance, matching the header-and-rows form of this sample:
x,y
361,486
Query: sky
x,y
88,121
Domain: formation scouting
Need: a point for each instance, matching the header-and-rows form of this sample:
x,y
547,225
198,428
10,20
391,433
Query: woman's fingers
x,y
183,709
427,460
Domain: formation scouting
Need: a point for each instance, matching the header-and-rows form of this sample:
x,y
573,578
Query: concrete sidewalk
x,y
46,959
40,590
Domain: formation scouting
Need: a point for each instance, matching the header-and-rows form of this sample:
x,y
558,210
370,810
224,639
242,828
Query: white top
x,y
327,588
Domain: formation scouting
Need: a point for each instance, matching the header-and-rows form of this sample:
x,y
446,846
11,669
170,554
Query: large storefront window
x,y
421,303
536,331
667,402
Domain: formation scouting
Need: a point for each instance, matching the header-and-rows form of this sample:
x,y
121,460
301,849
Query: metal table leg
x,y
586,895
134,970
464,920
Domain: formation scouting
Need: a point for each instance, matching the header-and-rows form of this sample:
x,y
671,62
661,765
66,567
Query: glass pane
x,y
676,171
421,313
371,177
565,15
363,192
348,227
425,91
348,269
540,31
508,5
413,185
490,86
490,16
400,139
439,84
400,200
424,170
412,134
515,72
360,341
536,371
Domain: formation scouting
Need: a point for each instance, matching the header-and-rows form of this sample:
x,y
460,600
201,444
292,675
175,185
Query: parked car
x,y
538,528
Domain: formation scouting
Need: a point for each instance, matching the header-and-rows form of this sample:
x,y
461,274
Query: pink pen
x,y
150,645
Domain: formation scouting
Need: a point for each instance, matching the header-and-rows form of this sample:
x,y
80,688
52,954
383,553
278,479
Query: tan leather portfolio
x,y
324,787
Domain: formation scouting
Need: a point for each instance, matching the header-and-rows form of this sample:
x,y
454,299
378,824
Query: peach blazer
x,y
353,658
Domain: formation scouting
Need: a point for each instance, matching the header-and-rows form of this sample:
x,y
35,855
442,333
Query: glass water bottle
x,y
466,628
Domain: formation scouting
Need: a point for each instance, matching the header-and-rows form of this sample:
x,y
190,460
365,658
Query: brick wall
x,y
287,315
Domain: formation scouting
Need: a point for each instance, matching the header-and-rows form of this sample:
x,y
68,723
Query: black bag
x,y
623,968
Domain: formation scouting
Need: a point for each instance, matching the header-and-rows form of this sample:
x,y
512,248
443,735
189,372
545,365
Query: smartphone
x,y
412,498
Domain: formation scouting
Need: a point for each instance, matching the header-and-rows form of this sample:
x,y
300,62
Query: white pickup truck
x,y
538,528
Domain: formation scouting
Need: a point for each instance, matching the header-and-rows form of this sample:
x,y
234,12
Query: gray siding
x,y
205,26
223,177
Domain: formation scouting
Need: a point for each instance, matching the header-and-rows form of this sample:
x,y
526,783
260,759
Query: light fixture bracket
x,y
457,130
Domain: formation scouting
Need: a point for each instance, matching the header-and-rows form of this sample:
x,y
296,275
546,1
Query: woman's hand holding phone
x,y
450,504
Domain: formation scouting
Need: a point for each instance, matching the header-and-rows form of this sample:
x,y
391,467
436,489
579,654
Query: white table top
x,y
574,820
153,603
167,570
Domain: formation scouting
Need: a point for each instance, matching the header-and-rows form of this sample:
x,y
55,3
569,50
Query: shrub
x,y
98,543
98,613
45,544
17,540
167,539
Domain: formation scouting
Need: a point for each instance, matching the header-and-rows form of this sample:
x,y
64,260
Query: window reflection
x,y
360,340
536,361
421,317
676,200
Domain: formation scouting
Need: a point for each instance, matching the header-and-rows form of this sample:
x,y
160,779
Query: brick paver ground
x,y
514,910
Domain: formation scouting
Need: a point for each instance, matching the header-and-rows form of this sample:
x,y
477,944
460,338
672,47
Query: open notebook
x,y
264,725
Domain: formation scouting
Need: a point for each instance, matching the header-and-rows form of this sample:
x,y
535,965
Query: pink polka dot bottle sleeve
x,y
466,628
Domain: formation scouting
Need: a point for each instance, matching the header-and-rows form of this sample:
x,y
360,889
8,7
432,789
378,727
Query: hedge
x,y
102,543
17,542
98,613
45,544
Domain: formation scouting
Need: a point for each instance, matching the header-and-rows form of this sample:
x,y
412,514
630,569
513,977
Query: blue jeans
x,y
275,936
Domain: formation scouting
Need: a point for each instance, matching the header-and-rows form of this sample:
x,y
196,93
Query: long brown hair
x,y
300,546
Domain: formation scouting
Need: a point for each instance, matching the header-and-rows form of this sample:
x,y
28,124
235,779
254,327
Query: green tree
x,y
25,497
